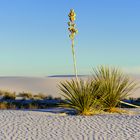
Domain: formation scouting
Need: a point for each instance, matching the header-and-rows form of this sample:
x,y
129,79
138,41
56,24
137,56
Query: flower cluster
x,y
71,24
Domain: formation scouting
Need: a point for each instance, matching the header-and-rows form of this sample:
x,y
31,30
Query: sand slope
x,y
48,85
35,125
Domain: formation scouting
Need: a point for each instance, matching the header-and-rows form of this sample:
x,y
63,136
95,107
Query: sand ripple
x,y
34,125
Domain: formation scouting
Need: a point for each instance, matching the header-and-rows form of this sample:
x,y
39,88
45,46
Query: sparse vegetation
x,y
25,95
39,96
7,95
3,105
27,100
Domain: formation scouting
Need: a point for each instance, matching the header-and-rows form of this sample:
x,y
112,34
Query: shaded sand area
x,y
39,125
47,85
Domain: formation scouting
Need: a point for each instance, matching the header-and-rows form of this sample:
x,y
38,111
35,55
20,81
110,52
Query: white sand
x,y
48,85
35,125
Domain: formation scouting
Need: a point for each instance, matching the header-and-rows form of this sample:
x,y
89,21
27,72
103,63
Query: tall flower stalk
x,y
73,31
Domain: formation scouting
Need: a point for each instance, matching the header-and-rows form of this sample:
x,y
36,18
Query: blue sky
x,y
34,38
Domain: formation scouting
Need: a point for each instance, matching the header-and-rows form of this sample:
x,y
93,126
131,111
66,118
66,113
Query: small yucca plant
x,y
82,96
114,85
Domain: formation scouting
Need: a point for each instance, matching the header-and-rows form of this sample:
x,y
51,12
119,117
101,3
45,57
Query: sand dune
x,y
36,125
47,85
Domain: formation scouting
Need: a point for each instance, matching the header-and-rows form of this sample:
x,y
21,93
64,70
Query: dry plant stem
x,y
74,59
129,104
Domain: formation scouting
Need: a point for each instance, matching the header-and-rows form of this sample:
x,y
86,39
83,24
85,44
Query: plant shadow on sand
x,y
55,110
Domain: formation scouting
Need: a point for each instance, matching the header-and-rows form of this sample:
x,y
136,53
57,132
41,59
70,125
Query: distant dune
x,y
67,76
47,85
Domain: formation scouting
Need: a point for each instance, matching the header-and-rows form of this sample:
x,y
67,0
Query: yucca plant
x,y
82,96
114,85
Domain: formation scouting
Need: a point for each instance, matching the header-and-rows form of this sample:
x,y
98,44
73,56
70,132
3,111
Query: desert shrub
x,y
138,99
32,106
24,106
16,105
114,85
11,105
2,92
9,95
57,98
3,105
82,96
40,96
25,95
49,97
